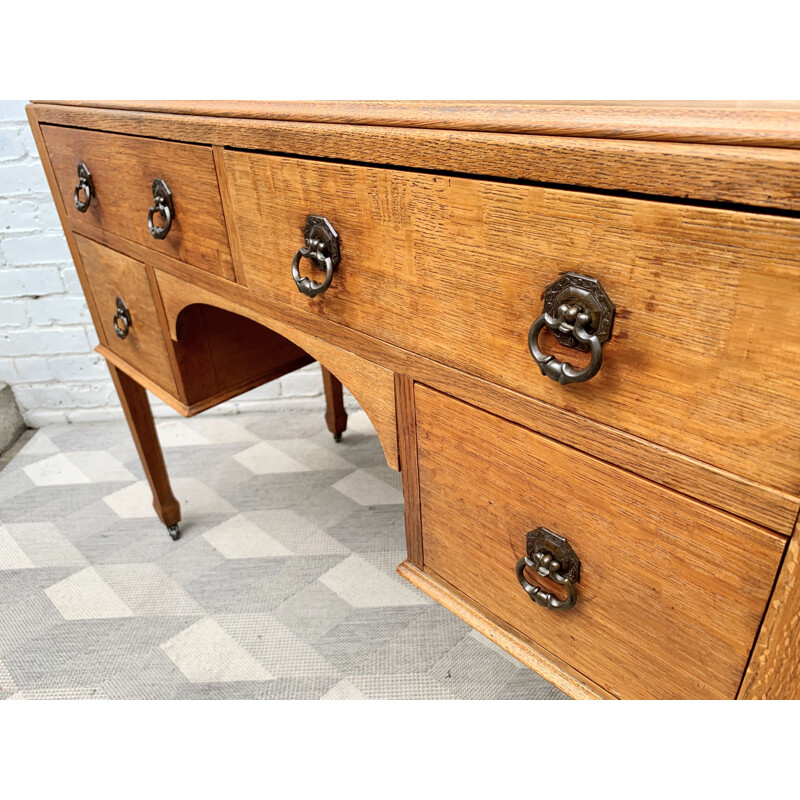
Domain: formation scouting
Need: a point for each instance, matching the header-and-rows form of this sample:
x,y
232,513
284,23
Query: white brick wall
x,y
46,334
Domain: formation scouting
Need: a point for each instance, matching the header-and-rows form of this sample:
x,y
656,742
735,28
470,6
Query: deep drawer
x,y
139,339
122,170
701,360
670,593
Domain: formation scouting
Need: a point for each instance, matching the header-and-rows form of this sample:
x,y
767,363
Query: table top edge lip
x,y
754,123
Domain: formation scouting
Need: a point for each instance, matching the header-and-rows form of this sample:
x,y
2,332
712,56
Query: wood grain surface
x,y
58,200
746,498
113,275
671,592
407,445
775,124
123,169
755,176
218,351
335,414
774,670
139,416
721,284
372,385
453,269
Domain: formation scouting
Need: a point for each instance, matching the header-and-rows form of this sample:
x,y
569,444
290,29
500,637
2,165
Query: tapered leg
x,y
335,415
140,420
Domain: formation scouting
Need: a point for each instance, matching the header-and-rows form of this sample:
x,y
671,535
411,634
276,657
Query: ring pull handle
x,y
322,249
122,319
163,205
552,557
580,314
85,185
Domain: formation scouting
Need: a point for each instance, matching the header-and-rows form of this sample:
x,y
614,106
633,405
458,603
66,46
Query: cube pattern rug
x,y
282,585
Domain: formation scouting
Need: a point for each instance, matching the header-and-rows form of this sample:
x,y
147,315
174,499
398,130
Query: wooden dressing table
x,y
574,328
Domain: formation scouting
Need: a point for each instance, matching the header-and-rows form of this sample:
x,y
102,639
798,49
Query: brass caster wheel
x,y
174,531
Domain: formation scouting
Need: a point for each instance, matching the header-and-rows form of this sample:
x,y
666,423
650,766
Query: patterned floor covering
x,y
282,586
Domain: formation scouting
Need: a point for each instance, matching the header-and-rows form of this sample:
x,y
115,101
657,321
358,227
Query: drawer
x,y
670,592
110,276
122,170
701,359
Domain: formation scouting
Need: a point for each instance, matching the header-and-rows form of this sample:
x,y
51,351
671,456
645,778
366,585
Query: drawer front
x,y
123,169
700,361
670,593
111,276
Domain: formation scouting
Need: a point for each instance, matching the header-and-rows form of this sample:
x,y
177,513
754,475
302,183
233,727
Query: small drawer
x,y
121,172
669,595
701,358
124,300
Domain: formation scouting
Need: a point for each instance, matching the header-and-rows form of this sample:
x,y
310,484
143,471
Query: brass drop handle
x,y
579,313
122,319
322,249
163,205
552,557
85,185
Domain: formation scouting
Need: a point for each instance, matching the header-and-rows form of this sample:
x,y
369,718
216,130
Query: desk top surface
x,y
761,123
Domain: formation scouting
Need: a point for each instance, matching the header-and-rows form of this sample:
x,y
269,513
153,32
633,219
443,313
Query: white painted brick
x,y
283,404
12,314
43,342
13,110
12,145
31,282
38,418
8,372
95,414
22,177
301,384
312,368
27,140
84,367
256,406
32,369
229,407
163,411
91,335
59,396
72,283
265,392
47,217
18,216
20,251
58,310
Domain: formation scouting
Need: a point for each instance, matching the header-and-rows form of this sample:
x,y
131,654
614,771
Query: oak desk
x,y
574,329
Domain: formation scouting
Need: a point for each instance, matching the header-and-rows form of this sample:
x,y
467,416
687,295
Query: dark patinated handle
x,y
307,286
562,371
85,185
162,204
552,557
580,314
322,249
539,595
122,319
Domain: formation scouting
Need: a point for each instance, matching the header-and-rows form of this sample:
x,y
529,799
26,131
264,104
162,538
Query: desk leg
x,y
140,420
335,415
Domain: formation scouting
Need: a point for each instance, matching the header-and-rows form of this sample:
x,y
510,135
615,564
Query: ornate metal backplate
x,y
573,289
318,229
544,539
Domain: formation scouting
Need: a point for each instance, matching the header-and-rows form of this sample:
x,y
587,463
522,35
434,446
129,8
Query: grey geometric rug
x,y
282,585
